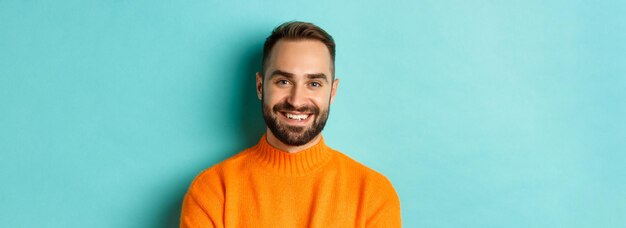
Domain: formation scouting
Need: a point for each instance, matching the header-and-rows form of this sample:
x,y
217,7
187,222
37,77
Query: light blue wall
x,y
482,114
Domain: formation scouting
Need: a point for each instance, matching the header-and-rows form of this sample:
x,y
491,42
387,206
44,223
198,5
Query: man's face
x,y
297,90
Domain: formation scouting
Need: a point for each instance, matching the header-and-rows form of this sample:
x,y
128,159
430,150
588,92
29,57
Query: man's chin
x,y
294,132
292,138
295,141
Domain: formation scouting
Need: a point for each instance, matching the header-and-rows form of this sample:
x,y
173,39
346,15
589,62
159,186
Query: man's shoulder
x,y
362,171
218,170
372,183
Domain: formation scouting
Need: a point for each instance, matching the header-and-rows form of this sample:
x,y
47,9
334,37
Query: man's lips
x,y
296,118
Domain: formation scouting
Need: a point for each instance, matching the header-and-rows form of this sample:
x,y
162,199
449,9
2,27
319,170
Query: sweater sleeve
x,y
203,205
385,209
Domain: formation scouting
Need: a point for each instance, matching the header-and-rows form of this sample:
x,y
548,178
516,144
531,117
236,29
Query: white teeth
x,y
296,117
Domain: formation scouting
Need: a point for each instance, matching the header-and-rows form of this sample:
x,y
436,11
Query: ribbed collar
x,y
284,163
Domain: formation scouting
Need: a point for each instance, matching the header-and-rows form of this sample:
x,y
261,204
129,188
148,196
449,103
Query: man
x,y
291,178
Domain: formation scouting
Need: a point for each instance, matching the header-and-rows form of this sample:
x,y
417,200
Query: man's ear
x,y
333,90
259,85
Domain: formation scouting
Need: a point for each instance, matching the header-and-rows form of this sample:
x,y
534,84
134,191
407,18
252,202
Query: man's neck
x,y
275,142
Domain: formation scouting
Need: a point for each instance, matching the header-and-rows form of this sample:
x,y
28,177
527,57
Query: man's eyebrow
x,y
318,75
290,75
281,73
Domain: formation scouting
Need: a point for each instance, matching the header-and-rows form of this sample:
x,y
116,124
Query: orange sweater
x,y
266,187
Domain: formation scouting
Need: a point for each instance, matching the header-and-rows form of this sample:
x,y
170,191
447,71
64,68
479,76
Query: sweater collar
x,y
291,164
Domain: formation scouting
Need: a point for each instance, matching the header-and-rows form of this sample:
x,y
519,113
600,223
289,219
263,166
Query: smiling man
x,y
291,178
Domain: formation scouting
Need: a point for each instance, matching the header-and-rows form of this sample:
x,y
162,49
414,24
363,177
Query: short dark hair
x,y
297,30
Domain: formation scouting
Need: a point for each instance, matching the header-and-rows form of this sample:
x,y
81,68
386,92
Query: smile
x,y
296,117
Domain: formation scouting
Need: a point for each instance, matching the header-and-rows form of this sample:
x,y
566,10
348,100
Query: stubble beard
x,y
294,135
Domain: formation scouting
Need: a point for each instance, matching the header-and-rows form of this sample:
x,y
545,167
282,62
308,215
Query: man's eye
x,y
316,84
283,82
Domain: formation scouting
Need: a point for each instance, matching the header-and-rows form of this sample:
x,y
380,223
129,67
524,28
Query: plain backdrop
x,y
481,113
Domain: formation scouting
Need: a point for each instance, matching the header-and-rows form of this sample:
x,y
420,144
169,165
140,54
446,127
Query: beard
x,y
294,135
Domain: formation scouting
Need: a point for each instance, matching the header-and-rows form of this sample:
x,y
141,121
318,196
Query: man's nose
x,y
297,96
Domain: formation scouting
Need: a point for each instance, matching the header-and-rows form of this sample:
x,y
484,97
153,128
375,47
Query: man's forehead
x,y
300,43
300,57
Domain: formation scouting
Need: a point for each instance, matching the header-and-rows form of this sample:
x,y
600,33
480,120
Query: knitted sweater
x,y
263,186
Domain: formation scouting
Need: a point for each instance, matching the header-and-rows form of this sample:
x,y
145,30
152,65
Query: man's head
x,y
296,31
297,83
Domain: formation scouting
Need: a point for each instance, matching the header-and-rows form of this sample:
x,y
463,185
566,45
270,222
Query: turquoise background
x,y
481,113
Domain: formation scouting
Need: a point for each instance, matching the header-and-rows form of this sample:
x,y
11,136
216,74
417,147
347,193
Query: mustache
x,y
286,107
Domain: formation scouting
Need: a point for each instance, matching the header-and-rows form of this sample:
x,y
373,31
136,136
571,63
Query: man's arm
x,y
385,207
203,205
